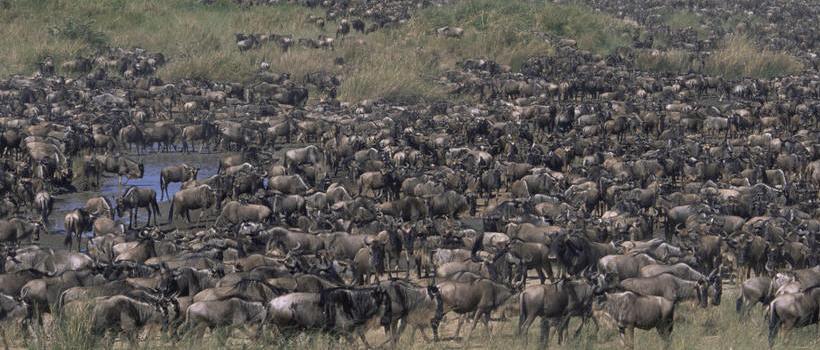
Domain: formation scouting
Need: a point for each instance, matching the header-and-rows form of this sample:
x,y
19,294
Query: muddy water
x,y
154,162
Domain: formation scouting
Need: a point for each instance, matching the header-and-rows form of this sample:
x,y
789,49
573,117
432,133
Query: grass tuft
x,y
737,57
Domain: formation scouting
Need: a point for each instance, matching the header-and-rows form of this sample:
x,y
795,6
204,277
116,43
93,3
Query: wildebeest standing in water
x,y
135,198
44,203
201,197
175,173
76,222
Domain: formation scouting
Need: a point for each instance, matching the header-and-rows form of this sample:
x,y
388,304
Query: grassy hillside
x,y
199,42
400,63
737,56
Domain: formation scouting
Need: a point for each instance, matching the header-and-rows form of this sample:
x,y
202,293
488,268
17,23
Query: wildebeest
x,y
475,299
175,173
226,312
353,311
554,302
296,311
418,307
76,222
752,291
99,206
135,198
16,230
680,270
369,262
790,311
235,212
630,311
44,203
624,266
121,314
201,197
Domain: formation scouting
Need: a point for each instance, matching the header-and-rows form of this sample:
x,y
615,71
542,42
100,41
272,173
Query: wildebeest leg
x,y
364,340
461,319
561,327
478,315
525,323
630,336
137,211
545,331
584,320
665,331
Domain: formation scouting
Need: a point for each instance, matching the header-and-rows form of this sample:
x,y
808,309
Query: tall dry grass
x,y
695,328
400,63
736,57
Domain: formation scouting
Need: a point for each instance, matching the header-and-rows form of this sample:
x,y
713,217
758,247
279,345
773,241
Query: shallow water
x,y
154,162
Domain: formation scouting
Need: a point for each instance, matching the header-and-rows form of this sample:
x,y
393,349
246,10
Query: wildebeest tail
x,y
522,312
774,324
739,304
477,245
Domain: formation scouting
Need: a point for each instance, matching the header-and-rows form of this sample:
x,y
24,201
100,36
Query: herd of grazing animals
x,y
627,193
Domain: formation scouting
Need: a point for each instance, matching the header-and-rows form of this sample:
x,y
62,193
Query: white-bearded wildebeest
x,y
99,206
16,230
204,132
122,167
226,312
476,299
44,203
369,262
305,155
245,289
131,135
554,302
679,270
296,311
418,307
135,198
669,287
752,291
792,311
175,173
201,197
235,212
122,314
624,266
288,184
630,311
44,293
76,222
351,311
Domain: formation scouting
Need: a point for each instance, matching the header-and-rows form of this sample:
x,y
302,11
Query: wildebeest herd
x,y
626,193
